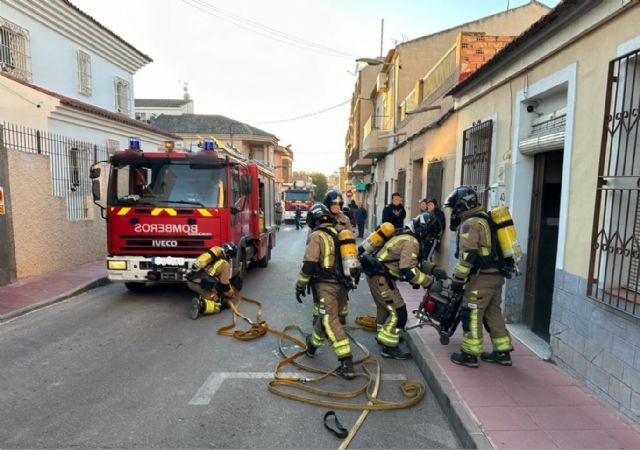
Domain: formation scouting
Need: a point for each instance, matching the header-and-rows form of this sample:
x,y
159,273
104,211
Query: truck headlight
x,y
117,265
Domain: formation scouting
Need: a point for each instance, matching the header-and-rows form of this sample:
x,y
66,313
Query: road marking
x,y
211,385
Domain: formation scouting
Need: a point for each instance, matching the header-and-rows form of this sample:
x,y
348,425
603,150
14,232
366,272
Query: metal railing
x,y
614,267
440,74
14,50
69,162
476,158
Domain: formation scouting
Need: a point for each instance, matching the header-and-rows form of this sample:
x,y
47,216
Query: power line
x,y
303,116
263,30
272,30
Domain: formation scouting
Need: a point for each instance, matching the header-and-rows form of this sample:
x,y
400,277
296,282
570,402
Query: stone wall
x,y
597,344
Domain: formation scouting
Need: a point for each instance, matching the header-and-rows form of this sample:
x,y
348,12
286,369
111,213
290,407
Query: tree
x,y
320,180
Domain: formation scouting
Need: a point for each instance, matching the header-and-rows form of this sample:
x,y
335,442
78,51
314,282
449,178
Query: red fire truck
x,y
167,207
300,194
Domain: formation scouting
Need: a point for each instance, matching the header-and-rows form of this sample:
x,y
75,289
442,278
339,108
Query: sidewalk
x,y
532,404
32,293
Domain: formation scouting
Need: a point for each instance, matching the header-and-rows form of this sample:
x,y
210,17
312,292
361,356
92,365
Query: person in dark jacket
x,y
394,212
353,208
433,241
298,217
433,208
361,219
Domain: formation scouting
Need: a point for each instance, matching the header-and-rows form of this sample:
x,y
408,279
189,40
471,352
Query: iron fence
x,y
476,158
614,267
69,162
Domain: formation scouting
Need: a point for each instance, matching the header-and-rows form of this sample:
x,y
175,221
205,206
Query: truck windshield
x,y
167,184
294,196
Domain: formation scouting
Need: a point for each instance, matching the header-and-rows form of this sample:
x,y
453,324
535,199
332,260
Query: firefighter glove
x,y
300,292
439,274
457,287
415,286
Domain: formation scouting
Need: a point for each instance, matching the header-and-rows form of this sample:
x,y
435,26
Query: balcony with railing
x,y
358,164
373,144
467,54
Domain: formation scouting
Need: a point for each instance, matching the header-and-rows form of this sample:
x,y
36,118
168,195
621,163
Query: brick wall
x,y
478,48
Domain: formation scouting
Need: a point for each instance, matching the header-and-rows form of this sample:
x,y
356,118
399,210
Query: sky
x,y
266,62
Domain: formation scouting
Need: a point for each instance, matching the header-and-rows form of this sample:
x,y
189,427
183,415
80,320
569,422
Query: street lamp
x,y
371,61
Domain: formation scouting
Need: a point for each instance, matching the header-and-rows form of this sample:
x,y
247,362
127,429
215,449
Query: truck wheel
x,y
135,285
264,262
242,271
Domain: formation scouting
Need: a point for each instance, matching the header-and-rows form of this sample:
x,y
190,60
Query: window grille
x,y
69,161
113,145
122,95
615,247
435,171
84,72
476,158
401,183
14,50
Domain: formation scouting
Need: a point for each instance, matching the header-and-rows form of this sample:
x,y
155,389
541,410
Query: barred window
x,y
476,158
615,253
122,95
84,72
14,50
113,145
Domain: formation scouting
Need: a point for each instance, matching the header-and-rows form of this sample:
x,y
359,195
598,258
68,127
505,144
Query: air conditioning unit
x,y
382,82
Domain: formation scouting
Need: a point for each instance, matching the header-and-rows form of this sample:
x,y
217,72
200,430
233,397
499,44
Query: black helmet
x,y
319,214
424,225
230,250
461,199
333,198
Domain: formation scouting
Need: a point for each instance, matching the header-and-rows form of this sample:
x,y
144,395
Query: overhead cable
x,y
304,116
266,31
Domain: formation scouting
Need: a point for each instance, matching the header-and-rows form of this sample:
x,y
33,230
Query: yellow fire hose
x,y
283,385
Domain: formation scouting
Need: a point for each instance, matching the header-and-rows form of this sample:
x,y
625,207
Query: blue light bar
x,y
208,144
134,143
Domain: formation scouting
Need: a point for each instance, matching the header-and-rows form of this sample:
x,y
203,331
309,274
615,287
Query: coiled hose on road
x,y
285,386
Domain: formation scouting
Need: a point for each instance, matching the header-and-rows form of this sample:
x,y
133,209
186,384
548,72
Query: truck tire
x,y
135,285
264,262
237,280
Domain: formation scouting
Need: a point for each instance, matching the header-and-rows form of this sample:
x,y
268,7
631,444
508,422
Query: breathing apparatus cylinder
x,y
506,231
208,257
377,239
348,253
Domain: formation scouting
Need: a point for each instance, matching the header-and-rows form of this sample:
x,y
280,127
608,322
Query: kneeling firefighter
x,y
322,270
479,276
209,278
400,258
335,204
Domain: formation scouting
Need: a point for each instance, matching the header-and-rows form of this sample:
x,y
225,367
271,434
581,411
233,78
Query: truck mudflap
x,y
169,269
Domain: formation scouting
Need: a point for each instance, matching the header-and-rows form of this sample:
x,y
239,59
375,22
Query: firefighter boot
x,y
196,306
346,370
394,353
311,349
502,358
465,359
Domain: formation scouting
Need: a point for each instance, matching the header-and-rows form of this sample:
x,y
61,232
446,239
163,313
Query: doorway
x,y
543,241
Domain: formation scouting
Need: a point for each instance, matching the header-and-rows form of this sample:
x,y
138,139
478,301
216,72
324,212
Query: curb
x,y
463,423
103,281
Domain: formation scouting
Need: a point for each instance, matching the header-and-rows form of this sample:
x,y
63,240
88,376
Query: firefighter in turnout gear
x,y
209,278
479,278
322,271
399,258
334,203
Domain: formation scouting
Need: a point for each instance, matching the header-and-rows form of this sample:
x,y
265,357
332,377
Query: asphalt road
x,y
116,369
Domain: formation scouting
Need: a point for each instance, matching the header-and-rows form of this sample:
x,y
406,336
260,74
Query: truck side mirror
x,y
94,173
95,188
247,184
